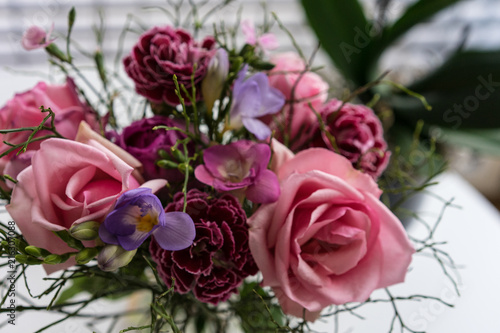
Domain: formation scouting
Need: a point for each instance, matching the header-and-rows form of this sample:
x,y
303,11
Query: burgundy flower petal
x,y
358,134
163,52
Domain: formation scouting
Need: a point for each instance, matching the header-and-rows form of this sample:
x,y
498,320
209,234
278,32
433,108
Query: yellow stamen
x,y
146,223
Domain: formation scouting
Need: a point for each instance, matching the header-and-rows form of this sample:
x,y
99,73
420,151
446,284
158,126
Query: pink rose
x,y
68,183
328,239
310,89
24,111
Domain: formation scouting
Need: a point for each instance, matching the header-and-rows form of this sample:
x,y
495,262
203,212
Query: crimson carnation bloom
x,y
358,134
219,258
162,52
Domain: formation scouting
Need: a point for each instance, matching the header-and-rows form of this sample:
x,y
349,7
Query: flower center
x,y
146,223
236,171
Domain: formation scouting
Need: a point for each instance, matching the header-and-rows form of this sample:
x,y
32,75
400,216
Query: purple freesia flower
x,y
241,165
254,98
138,213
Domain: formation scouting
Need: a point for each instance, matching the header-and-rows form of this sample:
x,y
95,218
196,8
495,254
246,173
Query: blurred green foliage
x,y
464,91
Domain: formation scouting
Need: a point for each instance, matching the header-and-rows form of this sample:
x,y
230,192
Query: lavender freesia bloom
x,y
254,98
138,213
240,167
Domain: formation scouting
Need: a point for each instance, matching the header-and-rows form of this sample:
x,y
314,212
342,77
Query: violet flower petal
x,y
272,99
136,215
126,197
254,98
122,221
106,236
247,103
257,128
177,233
240,78
266,188
132,242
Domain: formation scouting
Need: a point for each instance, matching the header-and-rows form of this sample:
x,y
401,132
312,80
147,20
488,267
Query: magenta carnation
x,y
163,52
358,134
219,258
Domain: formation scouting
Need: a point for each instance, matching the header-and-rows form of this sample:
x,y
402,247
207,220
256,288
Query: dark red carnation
x,y
219,259
358,134
162,52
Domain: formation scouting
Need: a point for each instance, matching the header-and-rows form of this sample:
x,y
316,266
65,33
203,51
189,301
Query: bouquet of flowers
x,y
243,192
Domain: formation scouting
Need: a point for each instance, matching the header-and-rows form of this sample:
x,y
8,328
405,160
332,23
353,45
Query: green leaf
x,y
485,141
417,13
341,27
464,93
255,316
68,239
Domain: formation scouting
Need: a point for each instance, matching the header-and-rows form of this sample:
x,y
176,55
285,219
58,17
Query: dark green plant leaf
x,y
464,93
341,27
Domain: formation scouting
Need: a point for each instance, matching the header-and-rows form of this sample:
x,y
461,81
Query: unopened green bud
x,y
85,255
262,65
71,17
20,244
36,251
53,50
184,166
85,231
26,259
5,245
213,83
179,156
163,153
99,61
236,63
113,257
53,259
166,164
